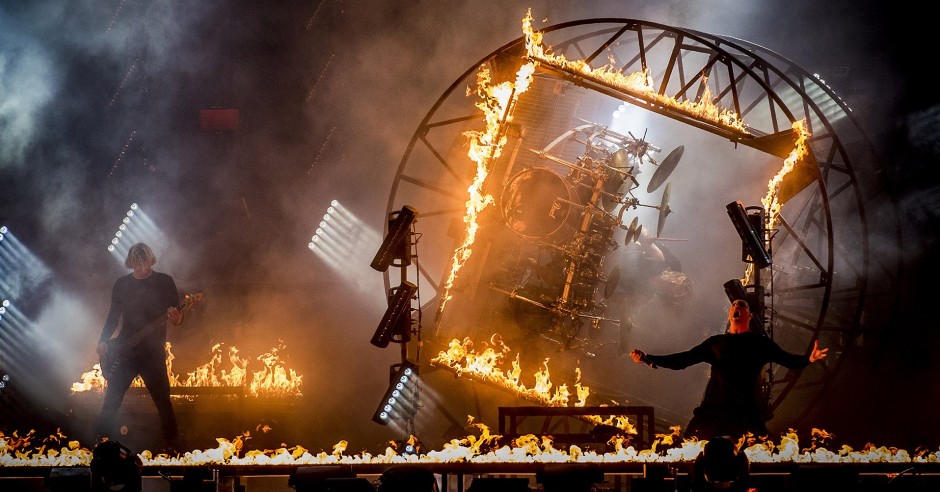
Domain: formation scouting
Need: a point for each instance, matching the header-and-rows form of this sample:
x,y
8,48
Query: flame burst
x,y
637,83
464,360
771,200
273,380
56,450
497,103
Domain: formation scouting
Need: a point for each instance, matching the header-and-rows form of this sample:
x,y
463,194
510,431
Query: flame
x,y
637,83
273,380
56,450
771,200
497,103
463,359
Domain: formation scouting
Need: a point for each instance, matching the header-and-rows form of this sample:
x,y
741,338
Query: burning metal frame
x,y
823,263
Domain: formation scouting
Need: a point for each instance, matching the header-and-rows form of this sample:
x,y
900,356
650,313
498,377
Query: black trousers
x,y
710,421
151,366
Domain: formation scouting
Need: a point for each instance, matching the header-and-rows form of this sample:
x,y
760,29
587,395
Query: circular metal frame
x,y
820,283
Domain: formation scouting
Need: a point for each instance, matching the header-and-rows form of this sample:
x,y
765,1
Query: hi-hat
x,y
665,169
664,210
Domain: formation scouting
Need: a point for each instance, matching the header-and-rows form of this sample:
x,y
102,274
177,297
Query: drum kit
x,y
571,218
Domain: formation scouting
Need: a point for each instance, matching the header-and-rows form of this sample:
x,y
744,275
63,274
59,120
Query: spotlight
x,y
110,247
5,303
115,467
720,467
122,227
327,217
133,206
114,240
118,234
126,220
735,290
130,213
3,230
403,406
1,237
397,318
331,210
319,231
397,243
752,235
334,203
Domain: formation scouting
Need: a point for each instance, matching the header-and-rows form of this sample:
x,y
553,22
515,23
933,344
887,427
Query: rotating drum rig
x,y
571,219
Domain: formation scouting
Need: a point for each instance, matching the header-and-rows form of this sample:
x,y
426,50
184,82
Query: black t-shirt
x,y
736,362
139,302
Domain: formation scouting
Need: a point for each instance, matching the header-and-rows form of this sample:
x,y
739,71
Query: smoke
x,y
26,87
99,105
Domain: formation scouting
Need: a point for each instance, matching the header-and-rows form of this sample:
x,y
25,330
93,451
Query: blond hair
x,y
140,254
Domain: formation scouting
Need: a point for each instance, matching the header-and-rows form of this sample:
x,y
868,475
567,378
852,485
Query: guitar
x,y
119,350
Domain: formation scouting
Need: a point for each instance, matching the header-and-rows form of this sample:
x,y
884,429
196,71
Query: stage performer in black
x,y
732,404
142,301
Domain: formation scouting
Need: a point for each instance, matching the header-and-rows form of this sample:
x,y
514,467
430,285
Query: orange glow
x,y
770,202
274,380
497,102
638,83
56,450
461,358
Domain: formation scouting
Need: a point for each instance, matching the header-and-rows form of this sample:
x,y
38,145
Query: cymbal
x,y
665,169
633,232
664,210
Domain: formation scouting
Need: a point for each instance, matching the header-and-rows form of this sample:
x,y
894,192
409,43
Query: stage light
x,y
616,114
334,203
331,210
133,206
3,230
327,217
1,237
397,318
397,243
405,405
319,231
126,220
5,303
720,467
734,289
752,236
115,467
130,213
110,247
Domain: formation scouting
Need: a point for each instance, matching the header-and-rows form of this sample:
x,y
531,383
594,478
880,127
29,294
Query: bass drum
x,y
539,204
